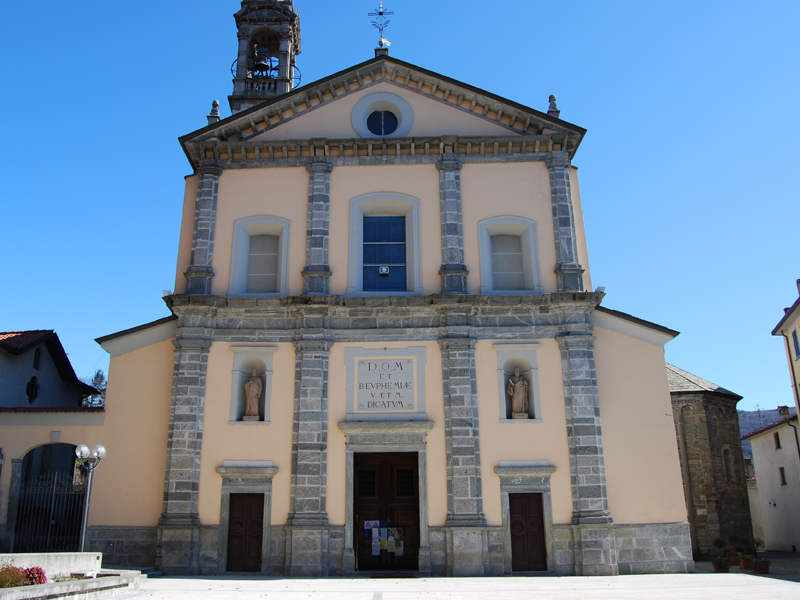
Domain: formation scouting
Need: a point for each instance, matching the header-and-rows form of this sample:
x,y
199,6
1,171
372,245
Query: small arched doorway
x,y
51,500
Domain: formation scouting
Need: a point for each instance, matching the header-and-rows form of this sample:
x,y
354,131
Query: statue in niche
x,y
252,393
518,390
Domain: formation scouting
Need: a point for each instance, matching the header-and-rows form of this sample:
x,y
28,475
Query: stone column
x,y
307,543
199,274
285,51
568,270
465,525
317,273
179,523
593,535
453,272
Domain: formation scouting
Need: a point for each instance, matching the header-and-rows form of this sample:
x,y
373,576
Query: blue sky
x,y
688,171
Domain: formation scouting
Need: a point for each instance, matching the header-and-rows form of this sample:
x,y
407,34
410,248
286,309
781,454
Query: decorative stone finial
x,y
553,109
213,116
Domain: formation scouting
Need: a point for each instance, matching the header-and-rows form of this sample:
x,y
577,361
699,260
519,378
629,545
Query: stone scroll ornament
x,y
518,390
252,392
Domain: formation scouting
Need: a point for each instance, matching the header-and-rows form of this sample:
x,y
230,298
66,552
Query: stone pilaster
x,y
307,543
199,274
568,270
593,533
179,524
453,272
465,536
316,275
284,82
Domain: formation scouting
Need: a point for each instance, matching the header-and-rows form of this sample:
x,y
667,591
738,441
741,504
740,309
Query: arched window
x,y
509,256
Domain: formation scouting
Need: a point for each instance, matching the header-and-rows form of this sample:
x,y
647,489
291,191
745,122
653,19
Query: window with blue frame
x,y
796,344
385,268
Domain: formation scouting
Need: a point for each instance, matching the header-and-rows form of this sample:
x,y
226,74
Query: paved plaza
x,y
703,586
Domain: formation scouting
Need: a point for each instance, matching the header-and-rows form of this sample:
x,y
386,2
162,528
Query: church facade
x,y
386,352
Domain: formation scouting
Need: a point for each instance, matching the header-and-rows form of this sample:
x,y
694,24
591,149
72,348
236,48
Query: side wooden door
x,y
245,532
527,532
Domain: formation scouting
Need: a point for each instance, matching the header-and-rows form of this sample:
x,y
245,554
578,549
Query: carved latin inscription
x,y
386,384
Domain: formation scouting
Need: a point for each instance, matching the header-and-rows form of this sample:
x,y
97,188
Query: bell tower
x,y
269,41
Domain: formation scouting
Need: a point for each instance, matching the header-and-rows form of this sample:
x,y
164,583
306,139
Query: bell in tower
x,y
269,41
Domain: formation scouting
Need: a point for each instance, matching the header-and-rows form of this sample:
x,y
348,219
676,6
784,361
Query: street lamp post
x,y
98,453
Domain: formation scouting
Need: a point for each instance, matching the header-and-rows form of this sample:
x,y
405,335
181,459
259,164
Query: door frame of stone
x,y
409,436
245,477
527,478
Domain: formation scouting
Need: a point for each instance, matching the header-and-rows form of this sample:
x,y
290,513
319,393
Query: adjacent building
x,y
712,465
386,352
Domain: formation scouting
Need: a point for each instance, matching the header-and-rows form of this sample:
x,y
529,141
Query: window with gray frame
x,y
262,265
508,267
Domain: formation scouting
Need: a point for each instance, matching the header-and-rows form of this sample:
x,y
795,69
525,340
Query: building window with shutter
x,y
385,254
262,264
509,256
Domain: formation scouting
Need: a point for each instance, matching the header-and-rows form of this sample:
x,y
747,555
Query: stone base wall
x,y
466,551
124,546
656,548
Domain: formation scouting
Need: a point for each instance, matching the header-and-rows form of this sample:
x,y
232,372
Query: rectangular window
x,y
783,475
262,265
796,344
508,271
777,437
385,268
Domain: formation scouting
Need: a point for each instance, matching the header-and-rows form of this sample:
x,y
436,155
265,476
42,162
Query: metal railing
x,y
49,514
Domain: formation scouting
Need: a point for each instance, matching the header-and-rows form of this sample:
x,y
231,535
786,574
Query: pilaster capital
x,y
457,343
209,168
312,346
449,163
575,341
203,346
319,164
558,160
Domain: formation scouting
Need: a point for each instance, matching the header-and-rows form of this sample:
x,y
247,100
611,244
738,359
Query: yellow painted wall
x,y
580,230
523,441
223,441
187,230
431,118
419,181
510,189
247,193
641,450
128,486
435,451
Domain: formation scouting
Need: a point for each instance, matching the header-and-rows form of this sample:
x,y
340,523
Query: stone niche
x,y
523,357
385,385
245,359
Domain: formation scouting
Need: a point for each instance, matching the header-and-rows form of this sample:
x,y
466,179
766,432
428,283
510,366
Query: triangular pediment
x,y
442,107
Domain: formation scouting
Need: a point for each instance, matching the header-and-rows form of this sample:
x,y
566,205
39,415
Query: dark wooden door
x,y
386,489
527,532
245,532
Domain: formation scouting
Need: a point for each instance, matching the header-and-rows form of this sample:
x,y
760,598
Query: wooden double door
x,y
245,532
386,490
528,552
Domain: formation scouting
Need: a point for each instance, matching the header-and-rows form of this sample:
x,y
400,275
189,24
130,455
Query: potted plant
x,y
721,564
760,566
734,557
745,562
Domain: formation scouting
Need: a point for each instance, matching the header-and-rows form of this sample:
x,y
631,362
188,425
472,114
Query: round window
x,y
382,122
32,389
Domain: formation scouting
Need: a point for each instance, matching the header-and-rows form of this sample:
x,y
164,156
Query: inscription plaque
x,y
386,384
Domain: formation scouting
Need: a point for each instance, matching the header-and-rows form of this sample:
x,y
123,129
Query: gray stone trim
x,y
14,490
245,480
654,548
316,275
200,272
462,433
527,480
453,272
124,546
310,434
387,437
584,433
568,270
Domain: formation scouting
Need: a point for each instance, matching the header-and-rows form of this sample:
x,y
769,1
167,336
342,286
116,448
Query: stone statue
x,y
252,392
518,390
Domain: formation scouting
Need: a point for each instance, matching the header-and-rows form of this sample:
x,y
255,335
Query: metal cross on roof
x,y
381,23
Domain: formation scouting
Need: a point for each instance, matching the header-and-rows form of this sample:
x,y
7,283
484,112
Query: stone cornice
x,y
519,120
358,151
